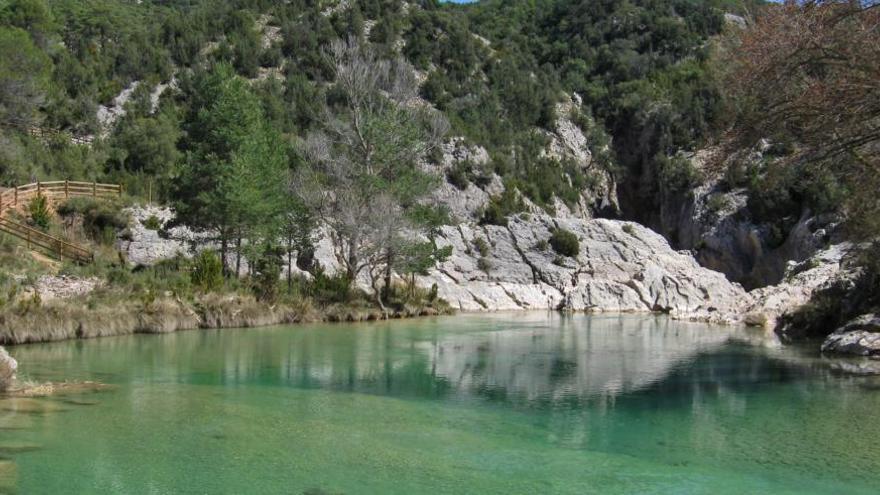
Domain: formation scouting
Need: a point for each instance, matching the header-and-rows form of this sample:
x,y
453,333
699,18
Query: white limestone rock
x,y
622,266
8,367
769,304
860,337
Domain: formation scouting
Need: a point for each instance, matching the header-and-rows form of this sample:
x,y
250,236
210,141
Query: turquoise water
x,y
506,404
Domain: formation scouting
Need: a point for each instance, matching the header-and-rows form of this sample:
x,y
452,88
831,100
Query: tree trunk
x,y
238,254
289,263
352,261
223,249
389,260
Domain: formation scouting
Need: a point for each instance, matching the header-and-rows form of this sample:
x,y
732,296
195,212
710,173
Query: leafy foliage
x,y
38,212
565,242
207,271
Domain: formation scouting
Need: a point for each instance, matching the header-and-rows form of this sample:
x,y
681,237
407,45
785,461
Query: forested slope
x,y
648,83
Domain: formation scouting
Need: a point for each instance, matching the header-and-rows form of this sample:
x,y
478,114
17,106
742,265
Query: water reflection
x,y
449,392
532,358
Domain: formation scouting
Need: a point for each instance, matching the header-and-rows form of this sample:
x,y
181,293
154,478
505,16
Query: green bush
x,y
101,219
482,246
38,209
716,203
677,174
565,242
152,223
459,175
328,289
500,207
484,264
207,271
268,275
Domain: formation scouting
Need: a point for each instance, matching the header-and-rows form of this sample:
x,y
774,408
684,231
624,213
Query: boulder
x,y
801,281
860,337
8,366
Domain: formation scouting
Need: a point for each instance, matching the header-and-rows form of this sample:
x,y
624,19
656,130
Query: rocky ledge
x,y
860,337
621,266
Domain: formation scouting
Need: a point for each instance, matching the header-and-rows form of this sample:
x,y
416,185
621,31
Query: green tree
x,y
24,77
232,181
148,145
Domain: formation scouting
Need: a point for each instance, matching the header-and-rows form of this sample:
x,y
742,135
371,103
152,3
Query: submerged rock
x,y
8,366
860,337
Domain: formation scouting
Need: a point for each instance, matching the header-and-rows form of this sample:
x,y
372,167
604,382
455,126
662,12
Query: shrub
x,y
268,275
499,207
38,209
629,229
482,246
677,173
98,216
565,242
330,288
152,223
207,272
458,175
484,264
716,203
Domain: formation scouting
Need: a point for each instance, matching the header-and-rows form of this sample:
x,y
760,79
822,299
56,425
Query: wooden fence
x,y
50,244
54,191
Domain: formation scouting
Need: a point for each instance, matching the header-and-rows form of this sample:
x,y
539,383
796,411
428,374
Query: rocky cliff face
x,y
715,222
467,199
621,266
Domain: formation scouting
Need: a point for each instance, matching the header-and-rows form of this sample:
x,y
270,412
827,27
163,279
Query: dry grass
x,y
78,318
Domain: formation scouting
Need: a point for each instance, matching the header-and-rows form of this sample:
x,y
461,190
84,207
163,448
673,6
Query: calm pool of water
x,y
506,404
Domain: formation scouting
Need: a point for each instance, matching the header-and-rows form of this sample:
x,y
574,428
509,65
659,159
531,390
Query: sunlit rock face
x,y
860,337
8,367
621,266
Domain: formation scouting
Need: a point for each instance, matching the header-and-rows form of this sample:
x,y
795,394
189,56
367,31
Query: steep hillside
x,y
386,128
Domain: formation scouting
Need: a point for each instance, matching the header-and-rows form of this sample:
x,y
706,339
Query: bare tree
x,y
810,72
364,173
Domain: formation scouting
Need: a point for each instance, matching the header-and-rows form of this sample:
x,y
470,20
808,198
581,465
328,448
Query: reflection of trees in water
x,y
533,359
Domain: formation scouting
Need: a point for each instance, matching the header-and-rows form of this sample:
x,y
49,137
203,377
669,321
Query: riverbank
x,y
82,318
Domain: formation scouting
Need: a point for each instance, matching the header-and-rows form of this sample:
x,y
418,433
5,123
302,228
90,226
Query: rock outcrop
x,y
716,223
64,286
802,280
147,241
621,266
8,366
860,337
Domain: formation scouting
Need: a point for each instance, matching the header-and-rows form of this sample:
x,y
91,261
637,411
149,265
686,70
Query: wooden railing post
x,y
95,189
66,193
15,201
39,189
